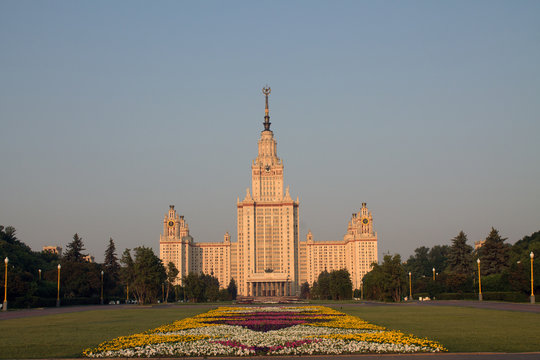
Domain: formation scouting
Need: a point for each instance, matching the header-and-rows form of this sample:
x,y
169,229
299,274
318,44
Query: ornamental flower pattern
x,y
248,331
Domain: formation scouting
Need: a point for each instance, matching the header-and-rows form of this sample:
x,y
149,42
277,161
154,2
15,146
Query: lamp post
x,y
288,290
101,287
433,274
4,306
479,282
39,271
58,292
532,278
127,293
410,286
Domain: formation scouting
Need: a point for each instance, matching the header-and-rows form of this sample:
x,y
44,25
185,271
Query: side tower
x,y
174,243
361,244
267,251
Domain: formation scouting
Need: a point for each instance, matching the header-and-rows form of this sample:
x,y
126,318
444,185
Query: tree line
x,y
137,276
451,271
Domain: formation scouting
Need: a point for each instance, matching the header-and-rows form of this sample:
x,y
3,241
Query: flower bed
x,y
246,331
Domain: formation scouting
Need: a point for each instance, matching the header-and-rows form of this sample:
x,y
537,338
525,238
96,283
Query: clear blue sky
x,y
426,110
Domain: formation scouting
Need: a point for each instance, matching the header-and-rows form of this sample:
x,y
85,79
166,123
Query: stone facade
x,y
268,259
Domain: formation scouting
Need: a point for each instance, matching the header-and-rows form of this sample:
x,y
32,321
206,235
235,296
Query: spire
x,y
266,91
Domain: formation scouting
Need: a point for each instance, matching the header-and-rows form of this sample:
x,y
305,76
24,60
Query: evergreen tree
x,y
304,291
460,258
112,267
111,260
494,254
232,289
127,271
74,250
172,273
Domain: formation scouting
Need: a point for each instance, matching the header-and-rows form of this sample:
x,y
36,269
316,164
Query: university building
x,y
268,258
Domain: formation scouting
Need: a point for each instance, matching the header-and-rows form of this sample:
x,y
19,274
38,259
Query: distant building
x,y
88,258
479,244
268,258
53,250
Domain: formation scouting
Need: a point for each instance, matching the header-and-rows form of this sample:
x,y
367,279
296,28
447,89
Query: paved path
x,y
523,307
445,356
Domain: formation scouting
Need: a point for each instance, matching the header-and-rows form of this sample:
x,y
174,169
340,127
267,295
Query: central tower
x,y
268,220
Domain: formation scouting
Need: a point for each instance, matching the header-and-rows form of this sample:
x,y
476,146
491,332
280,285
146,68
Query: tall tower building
x,y
267,249
268,259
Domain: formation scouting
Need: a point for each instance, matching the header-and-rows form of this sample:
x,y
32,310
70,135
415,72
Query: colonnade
x,y
269,288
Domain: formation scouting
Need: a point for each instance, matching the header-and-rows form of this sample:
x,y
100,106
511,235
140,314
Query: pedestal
x,y
57,302
479,297
532,299
4,306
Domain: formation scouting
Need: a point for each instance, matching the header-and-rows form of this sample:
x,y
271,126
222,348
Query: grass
x,y
67,335
460,329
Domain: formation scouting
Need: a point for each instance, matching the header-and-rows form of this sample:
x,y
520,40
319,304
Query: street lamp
x,y
101,287
433,274
4,306
58,292
532,278
39,274
127,293
479,282
410,287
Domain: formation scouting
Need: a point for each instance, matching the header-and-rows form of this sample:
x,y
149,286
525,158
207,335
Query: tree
x,y
194,287
386,282
232,289
24,287
438,257
520,268
304,291
127,271
172,273
323,286
74,250
419,263
111,268
149,275
494,254
211,287
460,259
340,285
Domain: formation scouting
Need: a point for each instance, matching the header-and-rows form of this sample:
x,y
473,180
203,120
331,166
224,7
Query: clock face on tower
x,y
365,221
171,223
267,168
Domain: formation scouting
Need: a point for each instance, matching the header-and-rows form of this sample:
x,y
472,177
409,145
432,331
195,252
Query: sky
x,y
112,111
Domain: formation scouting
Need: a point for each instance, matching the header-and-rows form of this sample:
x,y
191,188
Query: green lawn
x,y
67,335
460,329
